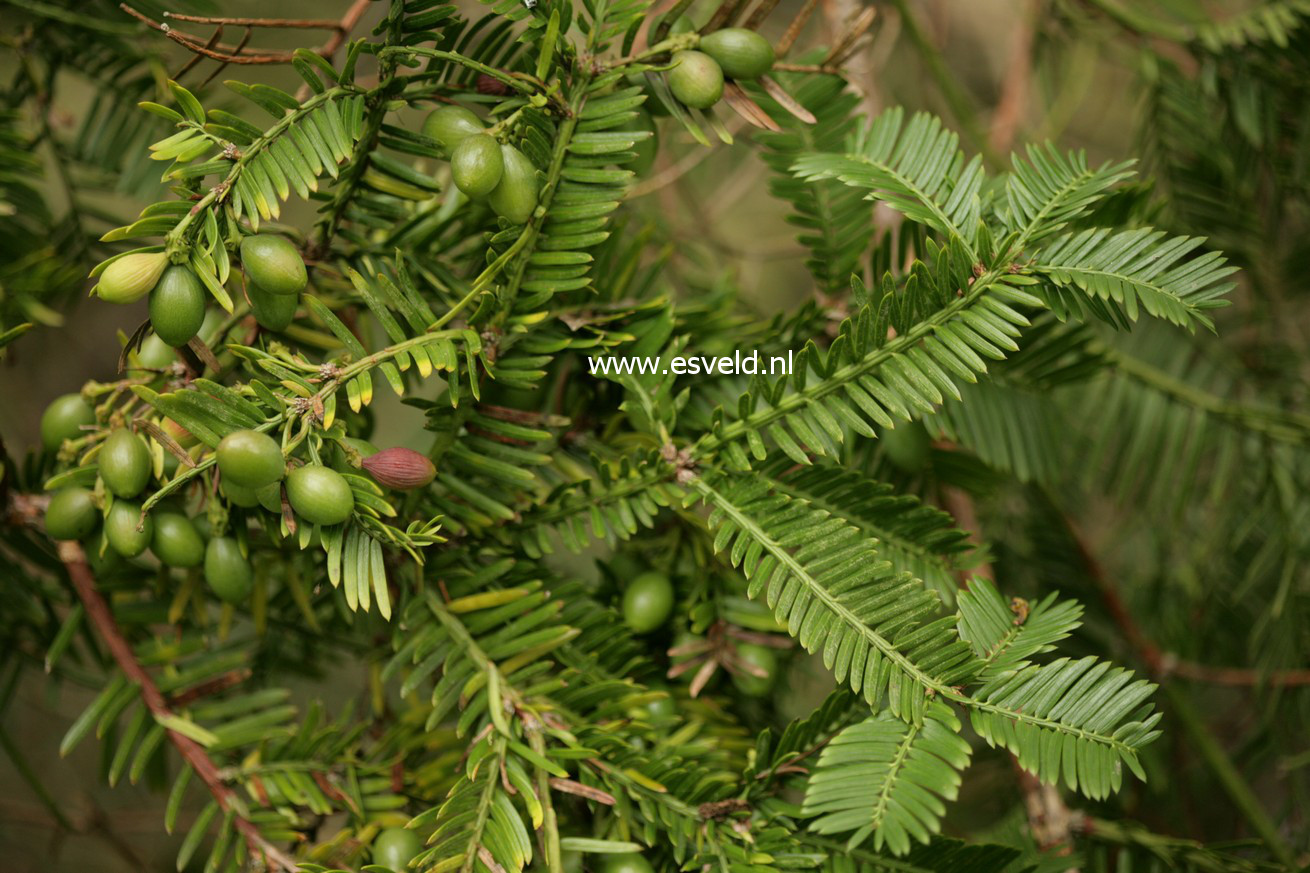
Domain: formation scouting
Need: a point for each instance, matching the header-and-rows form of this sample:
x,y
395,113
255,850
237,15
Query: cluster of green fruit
x,y
177,298
124,466
253,472
482,167
696,75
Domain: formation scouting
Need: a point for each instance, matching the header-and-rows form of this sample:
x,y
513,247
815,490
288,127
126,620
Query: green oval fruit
x,y
515,197
625,862
696,79
272,311
476,165
449,125
71,514
131,277
250,458
64,419
761,657
395,848
176,542
320,495
648,602
177,306
741,53
907,446
227,572
273,264
121,529
124,463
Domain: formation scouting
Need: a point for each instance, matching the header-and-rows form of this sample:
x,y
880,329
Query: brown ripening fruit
x,y
400,468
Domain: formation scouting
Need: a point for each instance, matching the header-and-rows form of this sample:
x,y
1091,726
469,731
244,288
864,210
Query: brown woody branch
x,y
193,753
241,54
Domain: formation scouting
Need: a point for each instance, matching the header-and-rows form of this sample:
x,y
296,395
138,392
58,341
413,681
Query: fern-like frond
x,y
885,778
916,168
1048,190
1080,720
1119,272
1004,635
914,537
879,630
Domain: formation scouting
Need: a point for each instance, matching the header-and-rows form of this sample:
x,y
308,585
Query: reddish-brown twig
x,y
193,753
241,54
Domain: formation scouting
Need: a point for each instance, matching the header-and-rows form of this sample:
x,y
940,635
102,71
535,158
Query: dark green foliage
x,y
1019,344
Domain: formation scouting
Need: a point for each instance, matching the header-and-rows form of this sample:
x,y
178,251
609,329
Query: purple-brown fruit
x,y
400,468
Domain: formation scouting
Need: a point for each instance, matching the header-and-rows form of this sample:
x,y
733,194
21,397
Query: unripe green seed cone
x,y
449,125
121,529
762,658
273,263
741,53
320,495
250,458
272,311
64,419
227,572
131,277
124,463
176,542
696,79
177,306
395,848
400,468
648,602
477,165
515,197
71,514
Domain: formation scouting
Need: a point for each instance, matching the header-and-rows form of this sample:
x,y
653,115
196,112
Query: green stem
x,y
457,58
1226,772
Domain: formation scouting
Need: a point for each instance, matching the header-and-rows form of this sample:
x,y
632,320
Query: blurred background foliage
x,y
1180,515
